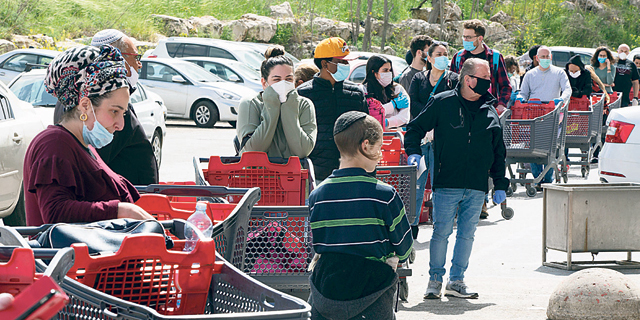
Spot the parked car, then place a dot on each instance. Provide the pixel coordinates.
(149, 107)
(230, 70)
(191, 92)
(561, 55)
(262, 47)
(619, 160)
(358, 66)
(19, 124)
(635, 52)
(180, 47)
(14, 62)
(397, 64)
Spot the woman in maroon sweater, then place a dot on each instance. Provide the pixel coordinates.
(64, 178)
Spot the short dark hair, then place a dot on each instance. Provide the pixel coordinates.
(476, 25)
(274, 56)
(511, 61)
(420, 42)
(436, 44)
(305, 72)
(533, 51)
(318, 61)
(349, 141)
(636, 57)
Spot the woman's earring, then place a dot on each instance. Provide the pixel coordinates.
(83, 117)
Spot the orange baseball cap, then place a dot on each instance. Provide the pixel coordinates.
(334, 47)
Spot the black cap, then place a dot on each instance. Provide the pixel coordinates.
(533, 51)
(346, 120)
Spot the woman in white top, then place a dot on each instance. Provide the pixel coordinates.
(378, 84)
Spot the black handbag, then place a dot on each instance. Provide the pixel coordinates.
(101, 236)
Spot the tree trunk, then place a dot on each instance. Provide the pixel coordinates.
(357, 33)
(442, 19)
(366, 41)
(435, 11)
(385, 25)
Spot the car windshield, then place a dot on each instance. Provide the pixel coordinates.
(196, 72)
(30, 88)
(246, 71)
(252, 59)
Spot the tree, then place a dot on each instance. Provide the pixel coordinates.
(385, 26)
(366, 41)
(355, 22)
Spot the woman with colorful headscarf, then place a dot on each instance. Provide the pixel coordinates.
(65, 180)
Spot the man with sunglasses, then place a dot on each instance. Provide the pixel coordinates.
(130, 153)
(468, 149)
(474, 47)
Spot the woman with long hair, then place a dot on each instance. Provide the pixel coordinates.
(385, 95)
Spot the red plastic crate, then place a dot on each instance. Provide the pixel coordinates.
(143, 271)
(181, 183)
(19, 278)
(531, 110)
(280, 184)
(579, 104)
(392, 152)
(162, 208)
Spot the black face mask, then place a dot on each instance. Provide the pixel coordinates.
(482, 85)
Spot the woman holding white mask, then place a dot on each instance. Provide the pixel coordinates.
(277, 121)
(378, 84)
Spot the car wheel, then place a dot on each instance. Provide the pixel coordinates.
(205, 114)
(233, 123)
(156, 144)
(17, 217)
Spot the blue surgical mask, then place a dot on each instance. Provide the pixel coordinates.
(545, 63)
(99, 136)
(342, 72)
(602, 60)
(509, 74)
(468, 45)
(441, 63)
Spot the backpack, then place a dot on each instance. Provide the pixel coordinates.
(496, 61)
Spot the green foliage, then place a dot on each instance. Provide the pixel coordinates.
(284, 34)
(226, 33)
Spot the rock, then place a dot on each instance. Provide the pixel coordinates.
(282, 11)
(143, 46)
(23, 42)
(488, 7)
(6, 46)
(496, 31)
(387, 50)
(67, 44)
(569, 5)
(252, 27)
(422, 13)
(595, 293)
(500, 17)
(324, 27)
(452, 12)
(590, 5)
(45, 41)
(207, 26)
(173, 26)
(156, 37)
(407, 29)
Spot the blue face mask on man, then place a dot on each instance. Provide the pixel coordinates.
(342, 72)
(545, 63)
(468, 45)
(99, 136)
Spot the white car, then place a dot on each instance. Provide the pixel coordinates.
(619, 160)
(19, 124)
(14, 62)
(230, 70)
(561, 55)
(191, 92)
(149, 107)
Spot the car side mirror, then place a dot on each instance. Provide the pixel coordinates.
(234, 78)
(178, 78)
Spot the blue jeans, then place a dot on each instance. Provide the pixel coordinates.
(536, 169)
(427, 153)
(467, 204)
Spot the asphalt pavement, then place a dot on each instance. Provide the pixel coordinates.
(506, 262)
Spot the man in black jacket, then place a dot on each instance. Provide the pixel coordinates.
(130, 153)
(469, 149)
(332, 96)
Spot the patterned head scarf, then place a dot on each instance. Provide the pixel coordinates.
(85, 72)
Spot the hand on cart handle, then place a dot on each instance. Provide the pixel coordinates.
(6, 300)
(132, 211)
(499, 196)
(414, 159)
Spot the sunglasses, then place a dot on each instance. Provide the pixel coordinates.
(137, 55)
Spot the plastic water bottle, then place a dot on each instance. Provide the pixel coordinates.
(199, 219)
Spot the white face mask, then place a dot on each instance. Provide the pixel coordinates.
(282, 88)
(385, 78)
(133, 79)
(574, 74)
(622, 56)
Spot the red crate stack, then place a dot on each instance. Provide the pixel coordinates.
(579, 104)
(392, 152)
(531, 110)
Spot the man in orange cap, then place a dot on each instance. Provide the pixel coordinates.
(332, 95)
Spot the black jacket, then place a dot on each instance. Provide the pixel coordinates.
(582, 85)
(130, 153)
(421, 88)
(330, 102)
(468, 149)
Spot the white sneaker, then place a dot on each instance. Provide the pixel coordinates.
(459, 289)
(434, 290)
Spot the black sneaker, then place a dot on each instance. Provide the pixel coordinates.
(484, 215)
(538, 188)
(594, 160)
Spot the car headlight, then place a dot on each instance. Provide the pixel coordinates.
(228, 95)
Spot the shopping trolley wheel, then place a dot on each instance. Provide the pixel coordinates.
(507, 213)
(403, 290)
(531, 191)
(412, 255)
(509, 191)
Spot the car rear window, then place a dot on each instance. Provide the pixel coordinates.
(172, 49)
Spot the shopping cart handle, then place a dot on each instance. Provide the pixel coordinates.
(32, 231)
(7, 251)
(190, 191)
(60, 264)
